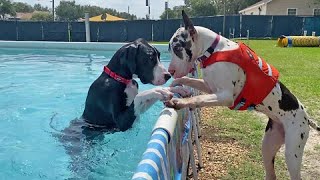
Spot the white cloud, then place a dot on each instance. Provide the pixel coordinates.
(137, 7)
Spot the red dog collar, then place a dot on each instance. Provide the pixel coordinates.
(116, 76)
(208, 52)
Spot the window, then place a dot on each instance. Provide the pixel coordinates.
(292, 11)
(316, 12)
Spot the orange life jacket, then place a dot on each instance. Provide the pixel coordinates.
(260, 76)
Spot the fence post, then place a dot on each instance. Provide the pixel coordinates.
(69, 32)
(303, 24)
(248, 36)
(17, 31)
(271, 27)
(42, 34)
(196, 137)
(191, 151)
(87, 24)
(305, 33)
(240, 25)
(152, 31)
(98, 33)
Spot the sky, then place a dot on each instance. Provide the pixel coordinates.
(137, 7)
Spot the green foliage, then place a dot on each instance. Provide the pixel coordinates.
(196, 8)
(187, 3)
(68, 11)
(38, 7)
(125, 15)
(6, 7)
(22, 7)
(203, 8)
(41, 16)
(92, 10)
(170, 13)
(174, 13)
(233, 6)
(193, 8)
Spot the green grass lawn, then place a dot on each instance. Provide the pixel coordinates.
(300, 72)
(164, 42)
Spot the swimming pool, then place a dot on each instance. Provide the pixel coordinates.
(40, 86)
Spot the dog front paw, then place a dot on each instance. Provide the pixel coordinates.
(182, 91)
(176, 103)
(164, 94)
(178, 81)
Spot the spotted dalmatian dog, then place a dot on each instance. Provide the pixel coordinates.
(223, 81)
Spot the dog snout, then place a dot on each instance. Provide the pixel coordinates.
(167, 76)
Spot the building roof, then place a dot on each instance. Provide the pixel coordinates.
(260, 3)
(24, 16)
(109, 17)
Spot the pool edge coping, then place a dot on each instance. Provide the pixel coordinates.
(96, 46)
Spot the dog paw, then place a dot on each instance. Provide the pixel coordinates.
(176, 103)
(182, 91)
(164, 94)
(178, 81)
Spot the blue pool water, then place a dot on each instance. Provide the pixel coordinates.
(38, 86)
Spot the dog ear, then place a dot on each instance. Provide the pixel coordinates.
(129, 57)
(188, 25)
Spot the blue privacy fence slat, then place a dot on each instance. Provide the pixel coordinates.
(312, 24)
(287, 25)
(94, 31)
(214, 23)
(77, 32)
(259, 26)
(55, 31)
(8, 30)
(139, 29)
(109, 32)
(233, 22)
(157, 30)
(170, 27)
(29, 31)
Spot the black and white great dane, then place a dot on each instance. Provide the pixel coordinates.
(113, 101)
(223, 81)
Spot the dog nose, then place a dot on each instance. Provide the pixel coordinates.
(167, 77)
(172, 72)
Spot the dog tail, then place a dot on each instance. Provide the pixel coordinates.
(313, 124)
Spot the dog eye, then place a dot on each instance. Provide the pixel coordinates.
(175, 39)
(178, 47)
(184, 35)
(183, 44)
(153, 61)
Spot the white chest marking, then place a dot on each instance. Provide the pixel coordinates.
(131, 92)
